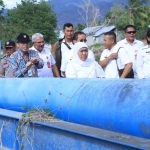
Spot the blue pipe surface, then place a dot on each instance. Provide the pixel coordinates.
(120, 105)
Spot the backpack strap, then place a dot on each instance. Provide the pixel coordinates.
(116, 58)
(67, 45)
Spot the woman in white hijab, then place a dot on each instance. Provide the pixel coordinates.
(81, 66)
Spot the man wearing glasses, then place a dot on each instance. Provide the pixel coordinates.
(49, 67)
(78, 36)
(10, 47)
(131, 45)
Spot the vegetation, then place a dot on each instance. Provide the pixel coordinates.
(135, 13)
(30, 17)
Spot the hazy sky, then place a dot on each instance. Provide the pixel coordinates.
(11, 3)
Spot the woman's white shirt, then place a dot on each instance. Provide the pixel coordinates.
(75, 70)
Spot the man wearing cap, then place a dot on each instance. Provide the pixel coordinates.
(25, 62)
(49, 67)
(10, 48)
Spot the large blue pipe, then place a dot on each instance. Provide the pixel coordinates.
(121, 105)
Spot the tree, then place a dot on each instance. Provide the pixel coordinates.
(31, 17)
(79, 27)
(136, 11)
(2, 6)
(117, 16)
(89, 13)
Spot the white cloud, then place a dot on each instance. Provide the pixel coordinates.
(11, 4)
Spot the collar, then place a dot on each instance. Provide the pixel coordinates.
(126, 42)
(33, 48)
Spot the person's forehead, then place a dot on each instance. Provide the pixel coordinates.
(130, 29)
(81, 36)
(69, 28)
(107, 37)
(39, 38)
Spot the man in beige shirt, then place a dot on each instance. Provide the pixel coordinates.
(10, 47)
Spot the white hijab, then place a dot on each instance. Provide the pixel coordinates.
(76, 59)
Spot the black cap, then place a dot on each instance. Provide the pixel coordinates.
(22, 37)
(10, 43)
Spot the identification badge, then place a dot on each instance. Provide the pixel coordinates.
(48, 64)
(29, 73)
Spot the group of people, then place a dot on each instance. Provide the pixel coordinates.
(128, 58)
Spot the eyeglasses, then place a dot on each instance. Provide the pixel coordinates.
(131, 32)
(40, 42)
(83, 40)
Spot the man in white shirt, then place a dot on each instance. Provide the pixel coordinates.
(131, 45)
(49, 67)
(143, 60)
(114, 59)
(67, 43)
(78, 36)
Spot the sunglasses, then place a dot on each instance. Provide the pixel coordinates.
(131, 32)
(83, 40)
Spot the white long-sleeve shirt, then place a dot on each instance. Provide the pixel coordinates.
(143, 62)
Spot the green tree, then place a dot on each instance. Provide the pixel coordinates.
(30, 17)
(79, 27)
(136, 11)
(117, 16)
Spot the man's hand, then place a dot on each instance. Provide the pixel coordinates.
(34, 60)
(113, 56)
(29, 64)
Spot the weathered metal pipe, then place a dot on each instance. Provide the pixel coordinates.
(112, 104)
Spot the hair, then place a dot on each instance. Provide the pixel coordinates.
(67, 25)
(75, 35)
(112, 35)
(34, 36)
(129, 26)
(148, 35)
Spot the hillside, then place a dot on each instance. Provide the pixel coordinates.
(67, 11)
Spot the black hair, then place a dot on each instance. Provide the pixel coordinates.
(129, 26)
(75, 35)
(112, 35)
(67, 25)
(148, 35)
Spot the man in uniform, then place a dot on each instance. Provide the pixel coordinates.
(114, 58)
(49, 67)
(25, 62)
(10, 48)
(131, 45)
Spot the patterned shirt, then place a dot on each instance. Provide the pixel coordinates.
(18, 64)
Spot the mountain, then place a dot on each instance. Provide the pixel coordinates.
(67, 11)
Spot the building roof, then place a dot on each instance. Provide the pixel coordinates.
(89, 30)
(104, 30)
(98, 30)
